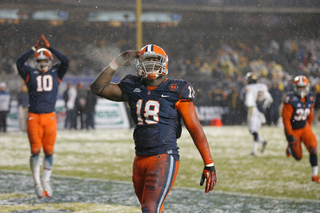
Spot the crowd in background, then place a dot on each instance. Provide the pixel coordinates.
(191, 54)
(194, 55)
(80, 105)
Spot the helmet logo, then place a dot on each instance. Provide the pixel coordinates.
(149, 48)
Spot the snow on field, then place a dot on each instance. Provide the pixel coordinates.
(270, 182)
(92, 195)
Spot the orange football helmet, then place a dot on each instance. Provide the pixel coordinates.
(43, 59)
(152, 62)
(301, 86)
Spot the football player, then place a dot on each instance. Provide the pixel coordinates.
(42, 81)
(297, 115)
(157, 105)
(257, 99)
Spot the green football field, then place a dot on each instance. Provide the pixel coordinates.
(92, 173)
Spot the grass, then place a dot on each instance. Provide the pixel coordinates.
(108, 154)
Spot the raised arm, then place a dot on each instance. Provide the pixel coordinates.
(22, 68)
(102, 85)
(64, 65)
(64, 61)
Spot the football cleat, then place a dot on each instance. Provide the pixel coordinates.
(39, 191)
(316, 179)
(47, 189)
(253, 154)
(264, 144)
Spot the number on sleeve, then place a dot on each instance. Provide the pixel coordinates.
(191, 92)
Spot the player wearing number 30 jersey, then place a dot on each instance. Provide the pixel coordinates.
(42, 82)
(157, 106)
(297, 115)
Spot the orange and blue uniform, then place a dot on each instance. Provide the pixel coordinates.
(156, 113)
(42, 89)
(297, 114)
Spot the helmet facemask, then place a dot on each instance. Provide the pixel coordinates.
(152, 67)
(301, 86)
(152, 63)
(43, 59)
(43, 64)
(301, 91)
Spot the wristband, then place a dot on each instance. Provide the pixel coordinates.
(114, 65)
(33, 48)
(209, 165)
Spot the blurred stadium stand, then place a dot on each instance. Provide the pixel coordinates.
(207, 40)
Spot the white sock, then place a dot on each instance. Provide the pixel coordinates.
(255, 147)
(314, 170)
(35, 168)
(260, 138)
(47, 168)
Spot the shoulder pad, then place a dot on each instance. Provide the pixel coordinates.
(180, 83)
(287, 98)
(182, 87)
(130, 78)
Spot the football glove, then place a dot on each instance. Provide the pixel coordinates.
(291, 138)
(209, 173)
(292, 141)
(45, 41)
(124, 59)
(38, 45)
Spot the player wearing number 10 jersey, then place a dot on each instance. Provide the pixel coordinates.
(42, 82)
(297, 116)
(157, 106)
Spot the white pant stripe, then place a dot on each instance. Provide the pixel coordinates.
(168, 184)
